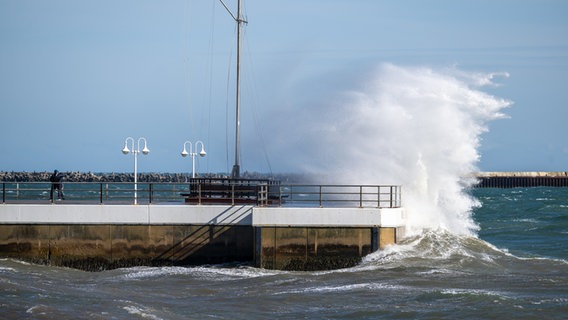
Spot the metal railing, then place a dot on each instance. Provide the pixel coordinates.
(378, 196)
(198, 192)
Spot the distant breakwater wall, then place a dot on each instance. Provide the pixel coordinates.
(92, 177)
(486, 179)
(76, 176)
(521, 179)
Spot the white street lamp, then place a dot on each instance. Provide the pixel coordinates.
(135, 152)
(184, 153)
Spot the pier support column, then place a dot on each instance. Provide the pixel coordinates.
(258, 247)
(387, 236)
(374, 239)
(312, 248)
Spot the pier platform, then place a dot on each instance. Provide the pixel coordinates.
(317, 228)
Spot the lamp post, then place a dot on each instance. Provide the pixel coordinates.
(184, 153)
(135, 152)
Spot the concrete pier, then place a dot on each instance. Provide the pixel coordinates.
(97, 237)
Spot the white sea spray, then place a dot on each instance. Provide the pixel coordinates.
(417, 127)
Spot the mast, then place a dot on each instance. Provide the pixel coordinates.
(235, 172)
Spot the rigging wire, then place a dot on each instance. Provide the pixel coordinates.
(189, 89)
(254, 97)
(227, 112)
(187, 67)
(210, 65)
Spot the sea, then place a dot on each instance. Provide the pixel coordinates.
(515, 266)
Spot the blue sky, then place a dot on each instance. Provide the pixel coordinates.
(78, 77)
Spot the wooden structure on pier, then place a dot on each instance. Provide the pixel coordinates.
(232, 191)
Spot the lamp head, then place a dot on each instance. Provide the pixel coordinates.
(145, 151)
(202, 153)
(184, 152)
(125, 150)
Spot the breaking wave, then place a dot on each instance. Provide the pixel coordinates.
(412, 126)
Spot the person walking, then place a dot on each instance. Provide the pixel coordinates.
(56, 184)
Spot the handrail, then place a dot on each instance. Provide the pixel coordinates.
(261, 194)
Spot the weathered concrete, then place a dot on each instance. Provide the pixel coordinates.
(317, 248)
(99, 247)
(97, 237)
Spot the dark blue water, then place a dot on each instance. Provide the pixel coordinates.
(525, 221)
(517, 267)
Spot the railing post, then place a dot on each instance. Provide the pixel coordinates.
(151, 192)
(399, 194)
(320, 196)
(51, 192)
(391, 196)
(3, 192)
(378, 196)
(199, 193)
(100, 193)
(360, 196)
(279, 196)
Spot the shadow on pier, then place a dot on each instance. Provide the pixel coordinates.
(221, 240)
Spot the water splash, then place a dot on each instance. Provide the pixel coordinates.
(417, 127)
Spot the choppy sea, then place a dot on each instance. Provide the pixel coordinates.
(515, 268)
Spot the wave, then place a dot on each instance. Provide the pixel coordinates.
(441, 251)
(418, 127)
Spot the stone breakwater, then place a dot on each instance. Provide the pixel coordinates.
(93, 177)
(77, 176)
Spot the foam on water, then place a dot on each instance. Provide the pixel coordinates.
(142, 312)
(212, 273)
(440, 252)
(366, 286)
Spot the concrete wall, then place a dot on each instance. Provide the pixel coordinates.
(97, 237)
(124, 214)
(199, 215)
(313, 248)
(328, 217)
(99, 247)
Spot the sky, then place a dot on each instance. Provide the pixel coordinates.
(79, 77)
